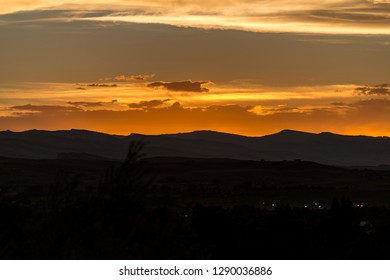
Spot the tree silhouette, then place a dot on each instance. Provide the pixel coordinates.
(127, 181)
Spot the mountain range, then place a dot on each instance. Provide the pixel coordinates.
(325, 148)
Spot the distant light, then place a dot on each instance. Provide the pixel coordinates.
(272, 205)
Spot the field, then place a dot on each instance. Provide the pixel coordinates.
(218, 182)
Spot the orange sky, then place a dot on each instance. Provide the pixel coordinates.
(171, 66)
(126, 108)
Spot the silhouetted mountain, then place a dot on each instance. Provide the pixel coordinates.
(38, 144)
(326, 148)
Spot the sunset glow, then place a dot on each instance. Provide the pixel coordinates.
(245, 67)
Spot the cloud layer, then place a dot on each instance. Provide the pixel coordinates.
(247, 110)
(369, 117)
(302, 16)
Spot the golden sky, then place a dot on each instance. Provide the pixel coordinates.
(246, 67)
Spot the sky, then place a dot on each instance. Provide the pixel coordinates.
(246, 67)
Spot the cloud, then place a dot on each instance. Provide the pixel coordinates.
(102, 85)
(302, 16)
(132, 78)
(86, 104)
(148, 104)
(181, 86)
(382, 89)
(369, 117)
(45, 108)
(267, 110)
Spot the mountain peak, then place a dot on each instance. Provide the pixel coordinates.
(290, 132)
(205, 132)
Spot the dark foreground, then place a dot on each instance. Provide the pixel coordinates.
(191, 209)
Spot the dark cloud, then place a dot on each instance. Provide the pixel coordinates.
(148, 104)
(86, 104)
(382, 89)
(176, 105)
(102, 85)
(181, 86)
(45, 108)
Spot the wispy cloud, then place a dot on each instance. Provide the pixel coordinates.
(129, 78)
(45, 108)
(382, 89)
(86, 104)
(302, 16)
(102, 85)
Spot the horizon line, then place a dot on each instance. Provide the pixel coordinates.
(196, 131)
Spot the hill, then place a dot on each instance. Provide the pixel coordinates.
(325, 148)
